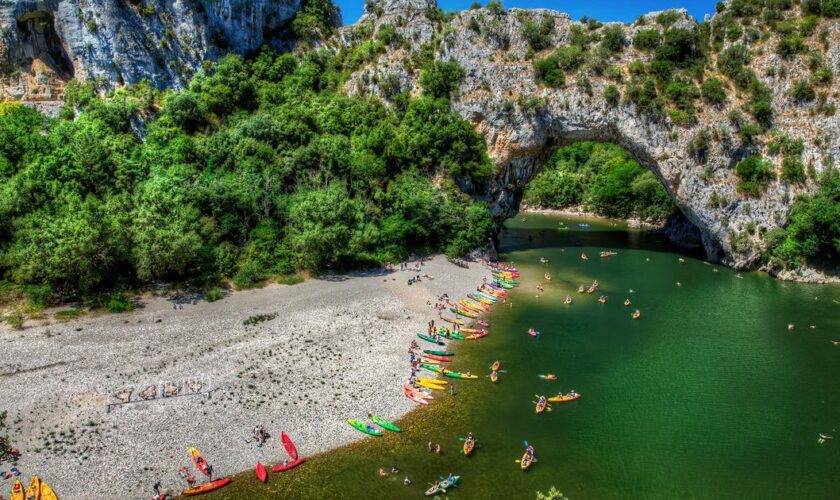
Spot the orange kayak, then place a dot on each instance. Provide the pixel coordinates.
(200, 462)
(496, 366)
(564, 399)
(207, 487)
(469, 446)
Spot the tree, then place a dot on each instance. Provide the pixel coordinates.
(441, 78)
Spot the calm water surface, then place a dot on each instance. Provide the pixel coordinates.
(708, 395)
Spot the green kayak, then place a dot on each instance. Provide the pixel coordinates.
(367, 429)
(381, 422)
(428, 339)
(433, 368)
(459, 375)
(439, 353)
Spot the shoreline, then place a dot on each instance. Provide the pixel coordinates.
(289, 372)
(579, 211)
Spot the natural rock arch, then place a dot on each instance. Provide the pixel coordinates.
(523, 121)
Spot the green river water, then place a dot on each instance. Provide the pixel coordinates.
(708, 395)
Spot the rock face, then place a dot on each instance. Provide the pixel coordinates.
(523, 121)
(45, 43)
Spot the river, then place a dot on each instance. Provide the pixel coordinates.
(708, 395)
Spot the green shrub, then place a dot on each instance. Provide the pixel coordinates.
(441, 78)
(612, 95)
(790, 45)
(699, 145)
(569, 58)
(760, 103)
(754, 174)
(667, 18)
(613, 39)
(792, 169)
(647, 39)
(803, 91)
(538, 33)
(495, 7)
(119, 302)
(713, 91)
(213, 294)
(823, 75)
(733, 62)
(548, 72)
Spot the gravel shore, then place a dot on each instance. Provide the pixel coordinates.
(326, 350)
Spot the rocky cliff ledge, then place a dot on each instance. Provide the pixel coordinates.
(45, 43)
(523, 120)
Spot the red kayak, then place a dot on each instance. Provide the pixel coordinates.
(289, 445)
(204, 488)
(290, 465)
(262, 474)
(442, 359)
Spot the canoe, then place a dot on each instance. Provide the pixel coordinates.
(496, 366)
(563, 398)
(47, 493)
(206, 487)
(465, 314)
(429, 339)
(17, 491)
(385, 424)
(34, 490)
(204, 467)
(262, 474)
(494, 377)
(443, 486)
(433, 381)
(541, 404)
(289, 465)
(469, 446)
(442, 359)
(431, 368)
(527, 460)
(290, 447)
(412, 396)
(459, 375)
(361, 427)
(439, 353)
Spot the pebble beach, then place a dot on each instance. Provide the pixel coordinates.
(300, 359)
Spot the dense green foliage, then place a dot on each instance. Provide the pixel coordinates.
(257, 168)
(602, 177)
(754, 174)
(538, 32)
(813, 232)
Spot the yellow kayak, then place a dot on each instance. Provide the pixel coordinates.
(469, 305)
(433, 380)
(429, 385)
(34, 490)
(17, 491)
(47, 493)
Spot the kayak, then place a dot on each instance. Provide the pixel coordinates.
(38, 490)
(412, 396)
(439, 353)
(527, 460)
(262, 474)
(367, 429)
(429, 385)
(17, 491)
(463, 313)
(477, 336)
(431, 368)
(47, 493)
(429, 361)
(472, 330)
(469, 446)
(204, 488)
(420, 393)
(202, 464)
(563, 398)
(433, 381)
(454, 321)
(429, 339)
(442, 359)
(494, 377)
(484, 299)
(541, 404)
(290, 447)
(483, 323)
(442, 486)
(459, 375)
(289, 465)
(472, 306)
(496, 366)
(34, 490)
(385, 424)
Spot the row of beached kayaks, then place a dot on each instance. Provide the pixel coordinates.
(38, 490)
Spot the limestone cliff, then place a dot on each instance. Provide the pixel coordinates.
(523, 120)
(45, 43)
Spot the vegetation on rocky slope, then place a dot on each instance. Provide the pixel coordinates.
(258, 168)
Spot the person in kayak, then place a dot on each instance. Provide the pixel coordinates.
(437, 449)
